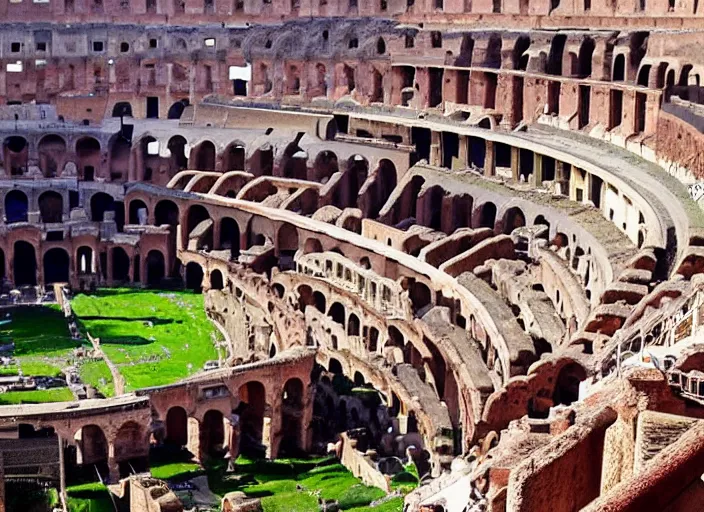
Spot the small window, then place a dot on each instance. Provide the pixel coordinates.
(326, 35)
(153, 43)
(124, 47)
(410, 41)
(383, 5)
(354, 43)
(41, 47)
(436, 39)
(97, 46)
(15, 47)
(267, 44)
(210, 42)
(40, 63)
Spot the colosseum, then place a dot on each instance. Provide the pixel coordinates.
(364, 255)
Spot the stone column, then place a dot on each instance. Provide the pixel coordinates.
(193, 437)
(515, 163)
(489, 162)
(113, 466)
(537, 170)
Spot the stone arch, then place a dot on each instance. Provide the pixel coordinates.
(353, 325)
(120, 151)
(513, 218)
(293, 401)
(100, 203)
(586, 54)
(177, 108)
(52, 155)
(337, 313)
(325, 166)
(216, 280)
(135, 216)
(177, 148)
(194, 277)
(212, 433)
(24, 264)
(294, 163)
(92, 445)
(197, 213)
(644, 75)
(420, 295)
(16, 206)
(130, 441)
(15, 155)
(203, 156)
(122, 108)
(487, 215)
(51, 207)
(557, 47)
(619, 74)
(287, 241)
(520, 55)
(567, 383)
(156, 267)
(84, 257)
(312, 245)
(251, 410)
(355, 176)
(319, 301)
(56, 266)
(88, 158)
(234, 157)
(166, 212)
(230, 236)
(121, 265)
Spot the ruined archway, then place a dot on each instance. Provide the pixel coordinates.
(230, 236)
(194, 277)
(100, 203)
(177, 426)
(251, 411)
(16, 207)
(514, 218)
(52, 155)
(156, 268)
(24, 264)
(15, 155)
(166, 212)
(120, 265)
(293, 402)
(51, 207)
(56, 266)
(88, 153)
(139, 212)
(203, 156)
(234, 157)
(92, 445)
(212, 433)
(177, 148)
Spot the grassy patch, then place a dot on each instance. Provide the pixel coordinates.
(89, 498)
(153, 337)
(292, 485)
(176, 471)
(97, 374)
(37, 396)
(38, 331)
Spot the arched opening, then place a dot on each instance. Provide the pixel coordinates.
(16, 207)
(619, 68)
(56, 266)
(156, 268)
(24, 264)
(230, 236)
(85, 260)
(166, 212)
(567, 384)
(293, 400)
(131, 444)
(51, 207)
(176, 110)
(194, 277)
(177, 148)
(319, 301)
(337, 313)
(52, 155)
(355, 176)
(15, 155)
(520, 55)
(120, 265)
(513, 219)
(212, 434)
(557, 47)
(100, 202)
(487, 215)
(196, 214)
(138, 212)
(295, 162)
(92, 445)
(251, 411)
(122, 108)
(353, 325)
(586, 52)
(380, 46)
(216, 280)
(419, 295)
(204, 156)
(644, 75)
(325, 166)
(88, 152)
(177, 426)
(287, 243)
(234, 157)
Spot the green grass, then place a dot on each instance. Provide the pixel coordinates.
(39, 368)
(275, 482)
(89, 498)
(36, 396)
(176, 471)
(98, 375)
(154, 338)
